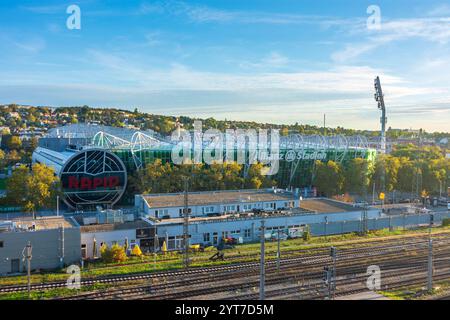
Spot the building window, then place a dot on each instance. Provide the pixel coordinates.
(207, 209)
(247, 233)
(1, 244)
(83, 251)
(156, 214)
(206, 237)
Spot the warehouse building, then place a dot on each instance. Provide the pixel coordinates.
(55, 243)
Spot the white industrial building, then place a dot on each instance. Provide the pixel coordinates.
(213, 203)
(112, 227)
(238, 214)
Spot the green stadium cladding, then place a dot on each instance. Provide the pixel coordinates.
(296, 153)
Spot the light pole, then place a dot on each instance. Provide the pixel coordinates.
(333, 253)
(430, 257)
(278, 251)
(262, 273)
(27, 254)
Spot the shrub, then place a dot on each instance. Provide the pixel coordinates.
(136, 251)
(307, 235)
(114, 254)
(118, 253)
(446, 222)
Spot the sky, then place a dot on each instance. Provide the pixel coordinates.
(280, 61)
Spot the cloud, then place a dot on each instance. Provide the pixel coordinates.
(441, 10)
(435, 30)
(50, 9)
(33, 45)
(208, 14)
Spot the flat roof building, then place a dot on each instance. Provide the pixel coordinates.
(213, 203)
(238, 214)
(99, 230)
(55, 243)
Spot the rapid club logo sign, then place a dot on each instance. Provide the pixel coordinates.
(93, 177)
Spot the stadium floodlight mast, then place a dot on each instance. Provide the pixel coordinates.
(380, 99)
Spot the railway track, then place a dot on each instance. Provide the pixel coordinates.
(289, 273)
(306, 258)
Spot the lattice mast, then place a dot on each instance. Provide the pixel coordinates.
(380, 99)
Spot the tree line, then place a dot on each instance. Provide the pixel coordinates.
(159, 177)
(419, 170)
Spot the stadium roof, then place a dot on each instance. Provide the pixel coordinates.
(114, 137)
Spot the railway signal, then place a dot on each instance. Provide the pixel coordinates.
(333, 252)
(326, 275)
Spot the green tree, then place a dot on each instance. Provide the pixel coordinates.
(33, 190)
(13, 143)
(328, 177)
(356, 176)
(406, 175)
(2, 159)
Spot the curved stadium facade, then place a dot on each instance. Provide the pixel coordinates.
(93, 161)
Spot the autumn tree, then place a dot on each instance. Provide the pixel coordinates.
(328, 177)
(357, 176)
(114, 254)
(33, 190)
(2, 159)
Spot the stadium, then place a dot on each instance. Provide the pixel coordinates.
(93, 161)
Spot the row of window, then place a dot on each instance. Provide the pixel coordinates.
(282, 227)
(227, 208)
(207, 209)
(161, 213)
(226, 234)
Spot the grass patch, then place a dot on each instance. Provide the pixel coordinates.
(52, 293)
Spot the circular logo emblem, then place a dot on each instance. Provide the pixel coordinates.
(290, 155)
(93, 177)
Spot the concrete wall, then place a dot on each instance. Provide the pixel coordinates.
(46, 246)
